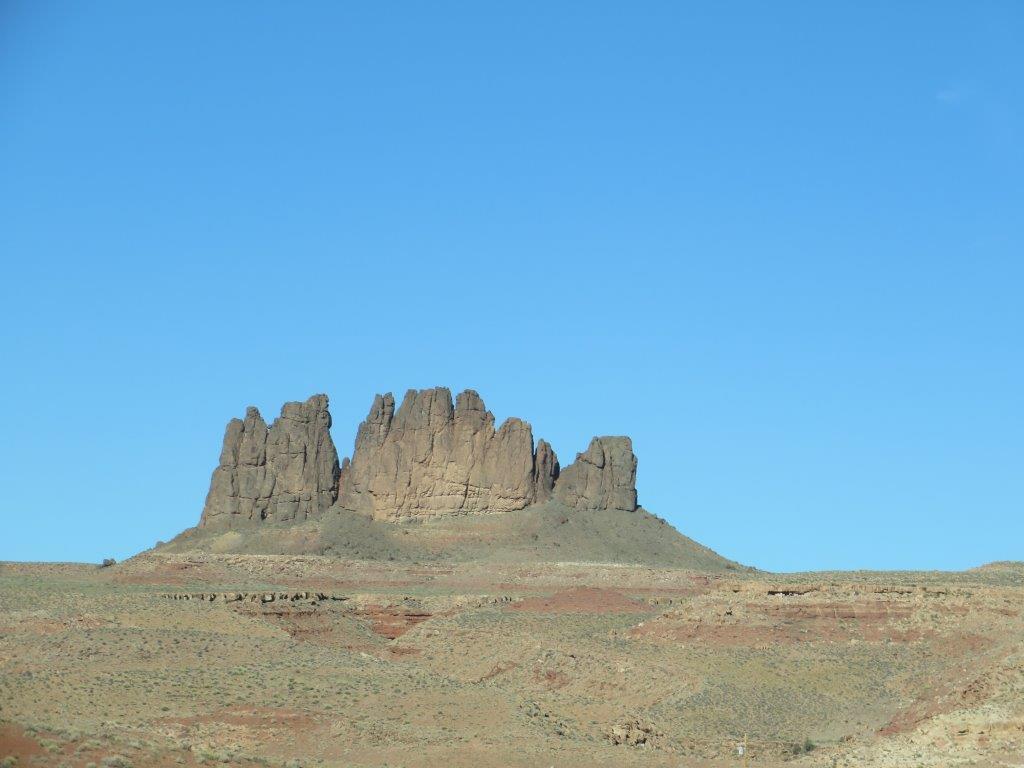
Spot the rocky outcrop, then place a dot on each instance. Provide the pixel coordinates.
(603, 477)
(431, 458)
(635, 732)
(428, 458)
(287, 472)
(545, 471)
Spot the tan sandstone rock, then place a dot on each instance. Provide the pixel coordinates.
(602, 477)
(428, 458)
(286, 472)
(431, 458)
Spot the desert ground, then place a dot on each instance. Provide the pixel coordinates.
(201, 658)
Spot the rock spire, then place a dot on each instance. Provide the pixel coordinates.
(432, 457)
(286, 472)
(602, 477)
(428, 458)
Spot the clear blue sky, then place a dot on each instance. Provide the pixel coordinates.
(779, 244)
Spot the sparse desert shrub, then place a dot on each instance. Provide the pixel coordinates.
(9, 762)
(107, 562)
(116, 761)
(798, 748)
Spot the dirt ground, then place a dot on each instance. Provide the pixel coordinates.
(190, 659)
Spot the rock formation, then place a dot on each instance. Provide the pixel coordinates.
(431, 458)
(287, 472)
(603, 477)
(428, 458)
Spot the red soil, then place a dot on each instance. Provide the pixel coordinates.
(582, 600)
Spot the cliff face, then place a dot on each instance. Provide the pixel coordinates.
(287, 472)
(429, 458)
(603, 477)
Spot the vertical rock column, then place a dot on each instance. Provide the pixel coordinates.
(602, 477)
(432, 458)
(287, 472)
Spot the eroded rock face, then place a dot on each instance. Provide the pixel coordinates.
(428, 458)
(432, 458)
(546, 470)
(603, 477)
(287, 472)
(634, 733)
